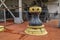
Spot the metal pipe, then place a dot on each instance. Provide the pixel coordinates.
(20, 11)
(4, 17)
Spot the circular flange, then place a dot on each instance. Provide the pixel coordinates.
(36, 31)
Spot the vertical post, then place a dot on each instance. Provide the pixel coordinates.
(4, 17)
(20, 11)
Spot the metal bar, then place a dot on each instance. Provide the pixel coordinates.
(1, 3)
(20, 11)
(7, 8)
(4, 17)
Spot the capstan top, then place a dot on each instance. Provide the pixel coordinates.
(35, 9)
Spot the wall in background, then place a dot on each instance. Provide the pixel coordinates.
(53, 6)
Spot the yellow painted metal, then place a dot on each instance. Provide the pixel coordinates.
(1, 28)
(35, 9)
(36, 31)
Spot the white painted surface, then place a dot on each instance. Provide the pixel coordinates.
(19, 19)
(20, 11)
(53, 7)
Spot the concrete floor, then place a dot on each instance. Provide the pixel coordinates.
(16, 32)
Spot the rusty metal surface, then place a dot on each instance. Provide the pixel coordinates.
(15, 32)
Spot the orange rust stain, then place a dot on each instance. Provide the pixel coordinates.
(16, 32)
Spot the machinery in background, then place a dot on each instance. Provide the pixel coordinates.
(10, 13)
(35, 26)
